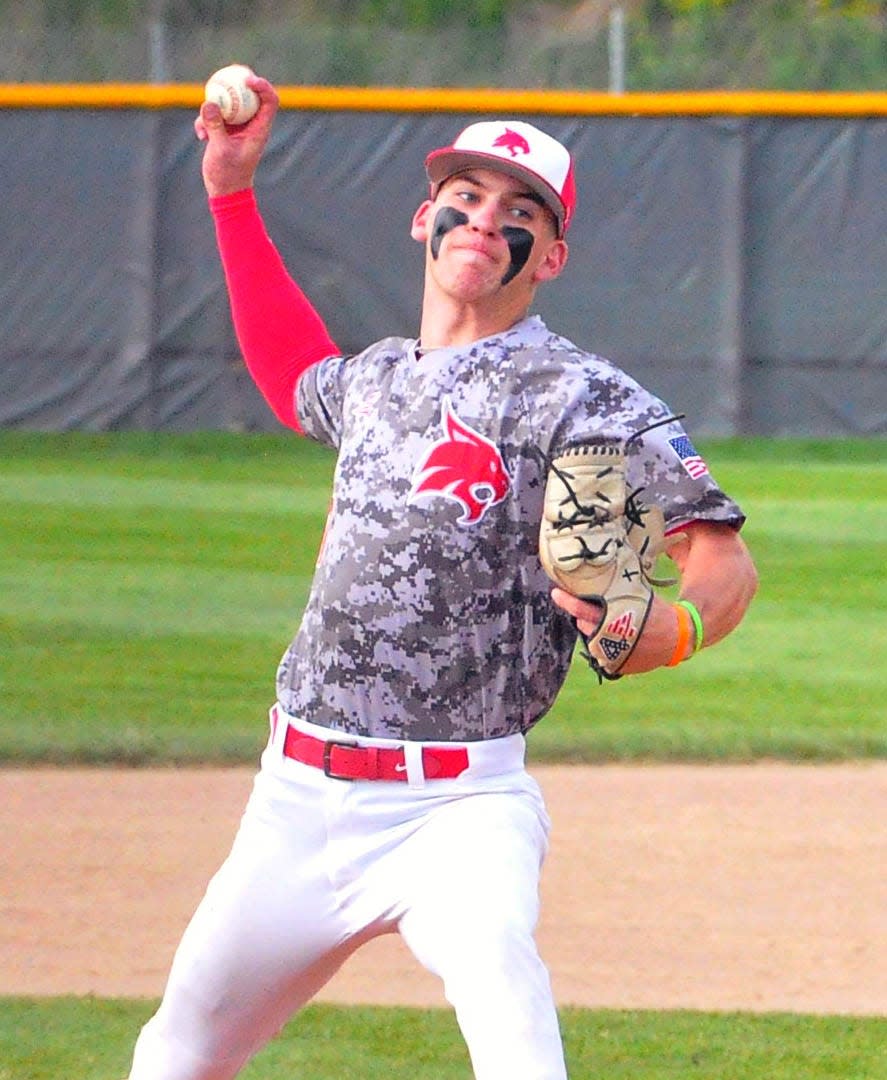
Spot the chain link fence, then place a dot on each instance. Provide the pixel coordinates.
(589, 45)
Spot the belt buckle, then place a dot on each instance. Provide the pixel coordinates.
(327, 751)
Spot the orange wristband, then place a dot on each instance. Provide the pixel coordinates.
(685, 628)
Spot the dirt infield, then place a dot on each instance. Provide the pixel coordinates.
(759, 888)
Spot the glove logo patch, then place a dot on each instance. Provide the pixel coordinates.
(464, 466)
(623, 627)
(613, 649)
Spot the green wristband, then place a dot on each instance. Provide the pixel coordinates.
(697, 622)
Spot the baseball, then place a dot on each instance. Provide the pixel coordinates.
(227, 88)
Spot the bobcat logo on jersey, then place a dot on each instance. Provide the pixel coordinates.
(464, 466)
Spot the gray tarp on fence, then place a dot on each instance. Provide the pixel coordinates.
(734, 265)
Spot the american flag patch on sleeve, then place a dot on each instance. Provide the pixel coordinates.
(689, 456)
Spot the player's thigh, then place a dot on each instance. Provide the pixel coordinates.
(265, 935)
(475, 877)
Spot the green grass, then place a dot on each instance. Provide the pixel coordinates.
(149, 584)
(44, 1039)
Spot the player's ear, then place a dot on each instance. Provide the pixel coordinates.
(419, 227)
(553, 263)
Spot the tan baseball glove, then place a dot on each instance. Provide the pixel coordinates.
(599, 543)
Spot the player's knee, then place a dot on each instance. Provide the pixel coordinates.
(493, 953)
(190, 1044)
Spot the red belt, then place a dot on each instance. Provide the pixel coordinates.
(343, 760)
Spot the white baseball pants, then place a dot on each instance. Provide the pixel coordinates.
(319, 866)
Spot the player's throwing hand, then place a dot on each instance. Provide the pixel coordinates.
(232, 154)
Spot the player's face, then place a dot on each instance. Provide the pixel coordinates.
(486, 231)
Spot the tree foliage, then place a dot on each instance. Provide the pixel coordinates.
(670, 44)
(423, 14)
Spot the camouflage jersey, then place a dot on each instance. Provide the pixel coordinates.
(430, 615)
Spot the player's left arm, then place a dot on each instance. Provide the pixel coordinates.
(718, 577)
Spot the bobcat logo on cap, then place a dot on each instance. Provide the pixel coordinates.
(512, 142)
(464, 466)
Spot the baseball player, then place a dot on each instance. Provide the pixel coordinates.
(499, 493)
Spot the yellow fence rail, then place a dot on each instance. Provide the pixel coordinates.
(424, 99)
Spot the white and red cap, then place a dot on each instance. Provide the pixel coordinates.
(519, 149)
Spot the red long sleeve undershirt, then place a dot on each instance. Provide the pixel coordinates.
(279, 332)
